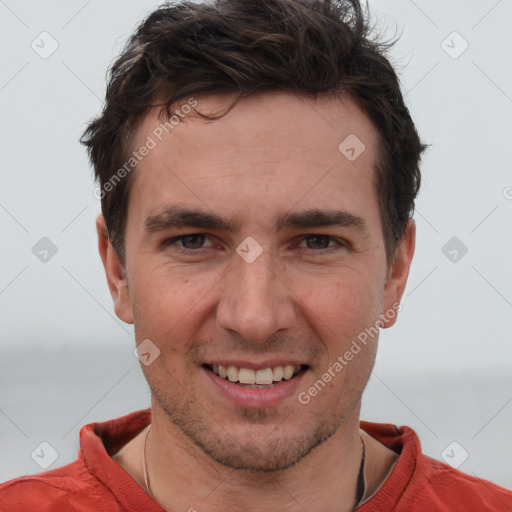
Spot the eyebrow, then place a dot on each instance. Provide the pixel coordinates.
(180, 217)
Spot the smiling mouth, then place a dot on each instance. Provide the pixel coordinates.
(260, 379)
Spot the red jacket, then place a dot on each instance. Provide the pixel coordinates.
(95, 482)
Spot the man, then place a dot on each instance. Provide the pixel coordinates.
(258, 170)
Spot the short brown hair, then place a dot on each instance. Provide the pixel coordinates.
(245, 46)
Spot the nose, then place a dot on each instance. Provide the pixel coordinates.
(255, 300)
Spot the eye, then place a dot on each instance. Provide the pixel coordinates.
(185, 243)
(195, 243)
(320, 242)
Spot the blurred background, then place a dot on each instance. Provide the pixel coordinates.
(444, 369)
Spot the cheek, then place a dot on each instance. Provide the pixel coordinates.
(343, 313)
(159, 301)
(170, 304)
(343, 303)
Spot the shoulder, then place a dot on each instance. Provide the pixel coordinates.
(438, 486)
(71, 488)
(419, 483)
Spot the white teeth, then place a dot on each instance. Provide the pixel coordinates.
(247, 376)
(288, 371)
(232, 373)
(277, 374)
(264, 376)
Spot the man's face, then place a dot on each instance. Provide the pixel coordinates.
(212, 298)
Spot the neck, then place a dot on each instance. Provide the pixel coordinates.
(326, 479)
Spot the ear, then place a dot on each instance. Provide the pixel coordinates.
(398, 273)
(116, 277)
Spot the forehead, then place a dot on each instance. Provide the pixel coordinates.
(292, 148)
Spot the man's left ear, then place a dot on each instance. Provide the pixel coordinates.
(397, 276)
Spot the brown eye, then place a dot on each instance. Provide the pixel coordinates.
(317, 241)
(192, 241)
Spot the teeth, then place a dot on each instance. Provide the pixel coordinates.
(288, 372)
(264, 376)
(232, 373)
(247, 376)
(278, 373)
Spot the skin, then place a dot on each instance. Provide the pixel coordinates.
(301, 299)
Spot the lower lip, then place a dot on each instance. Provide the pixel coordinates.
(256, 397)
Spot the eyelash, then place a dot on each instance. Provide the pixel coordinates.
(172, 242)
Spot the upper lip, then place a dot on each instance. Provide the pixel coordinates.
(255, 365)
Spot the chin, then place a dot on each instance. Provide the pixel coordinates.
(256, 446)
(264, 457)
(257, 440)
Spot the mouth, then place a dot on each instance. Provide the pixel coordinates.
(263, 378)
